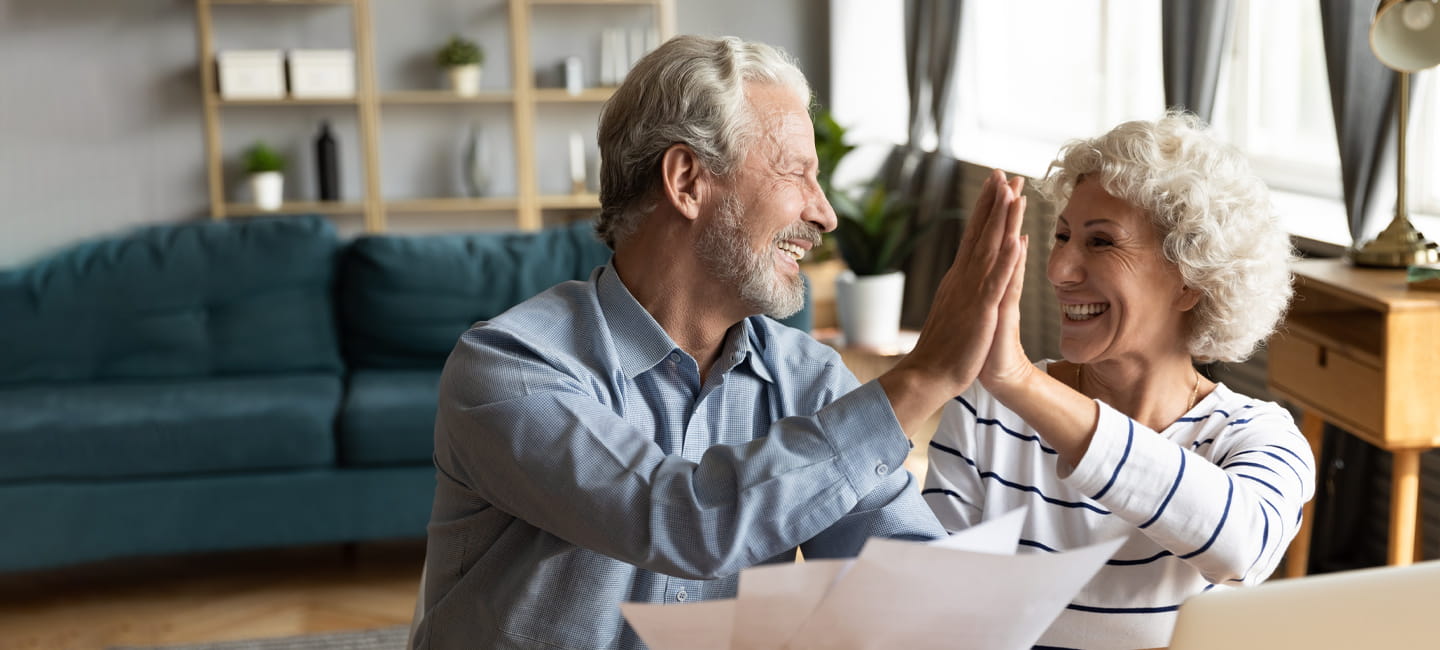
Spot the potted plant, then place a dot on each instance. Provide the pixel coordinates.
(461, 58)
(875, 236)
(267, 184)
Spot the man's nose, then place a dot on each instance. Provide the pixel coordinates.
(818, 211)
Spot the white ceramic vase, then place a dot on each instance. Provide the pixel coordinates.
(868, 308)
(268, 189)
(464, 79)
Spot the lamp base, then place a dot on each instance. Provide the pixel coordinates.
(1398, 246)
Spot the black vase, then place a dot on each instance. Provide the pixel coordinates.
(327, 164)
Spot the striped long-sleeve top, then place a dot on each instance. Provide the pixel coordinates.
(1211, 501)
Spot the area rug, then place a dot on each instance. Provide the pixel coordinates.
(390, 638)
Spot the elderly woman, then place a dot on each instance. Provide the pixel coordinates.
(1166, 252)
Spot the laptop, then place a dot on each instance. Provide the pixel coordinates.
(1371, 609)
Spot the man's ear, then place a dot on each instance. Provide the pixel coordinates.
(686, 182)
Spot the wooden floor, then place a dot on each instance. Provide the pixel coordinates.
(212, 597)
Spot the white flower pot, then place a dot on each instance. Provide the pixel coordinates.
(268, 189)
(868, 307)
(464, 79)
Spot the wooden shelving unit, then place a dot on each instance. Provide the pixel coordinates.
(524, 98)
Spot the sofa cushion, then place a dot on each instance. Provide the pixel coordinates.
(388, 417)
(126, 429)
(405, 300)
(189, 300)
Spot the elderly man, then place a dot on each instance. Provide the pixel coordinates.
(645, 435)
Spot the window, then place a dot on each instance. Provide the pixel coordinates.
(1036, 73)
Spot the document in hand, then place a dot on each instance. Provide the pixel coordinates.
(967, 591)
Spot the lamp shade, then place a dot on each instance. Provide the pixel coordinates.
(1406, 34)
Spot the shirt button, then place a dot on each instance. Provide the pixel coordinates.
(680, 595)
(882, 469)
(675, 357)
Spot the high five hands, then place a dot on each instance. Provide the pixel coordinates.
(973, 327)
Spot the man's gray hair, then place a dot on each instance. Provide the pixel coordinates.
(690, 91)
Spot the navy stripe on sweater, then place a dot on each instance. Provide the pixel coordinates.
(1173, 487)
(1229, 498)
(1017, 486)
(1129, 440)
(1012, 432)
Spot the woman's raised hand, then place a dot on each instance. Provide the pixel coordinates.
(961, 327)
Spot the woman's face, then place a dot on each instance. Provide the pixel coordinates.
(1119, 298)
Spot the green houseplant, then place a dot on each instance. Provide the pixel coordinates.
(267, 183)
(875, 234)
(461, 58)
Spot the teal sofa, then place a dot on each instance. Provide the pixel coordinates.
(240, 384)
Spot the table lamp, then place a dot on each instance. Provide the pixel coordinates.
(1405, 36)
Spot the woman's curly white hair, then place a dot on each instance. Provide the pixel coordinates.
(1212, 213)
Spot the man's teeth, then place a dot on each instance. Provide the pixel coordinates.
(1084, 312)
(794, 251)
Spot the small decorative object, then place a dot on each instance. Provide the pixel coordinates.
(251, 74)
(267, 184)
(476, 163)
(577, 163)
(614, 61)
(462, 59)
(574, 76)
(322, 74)
(327, 164)
(637, 47)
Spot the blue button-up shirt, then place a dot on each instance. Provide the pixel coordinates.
(582, 462)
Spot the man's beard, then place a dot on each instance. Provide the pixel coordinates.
(724, 249)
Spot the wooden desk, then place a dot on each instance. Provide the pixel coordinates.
(1360, 350)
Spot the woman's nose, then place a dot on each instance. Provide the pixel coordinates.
(1064, 266)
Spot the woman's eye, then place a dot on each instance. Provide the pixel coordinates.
(1062, 237)
(1100, 241)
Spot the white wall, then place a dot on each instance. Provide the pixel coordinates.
(101, 126)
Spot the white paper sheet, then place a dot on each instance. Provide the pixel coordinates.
(776, 599)
(901, 595)
(967, 591)
(696, 626)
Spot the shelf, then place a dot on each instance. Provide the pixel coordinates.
(522, 100)
(570, 202)
(289, 101)
(282, 2)
(295, 207)
(545, 95)
(445, 97)
(646, 3)
(483, 204)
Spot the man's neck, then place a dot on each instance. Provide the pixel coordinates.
(673, 285)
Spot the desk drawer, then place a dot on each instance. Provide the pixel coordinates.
(1345, 390)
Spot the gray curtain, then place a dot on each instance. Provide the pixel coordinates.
(927, 178)
(1194, 35)
(1362, 98)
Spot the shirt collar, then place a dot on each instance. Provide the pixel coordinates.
(640, 342)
